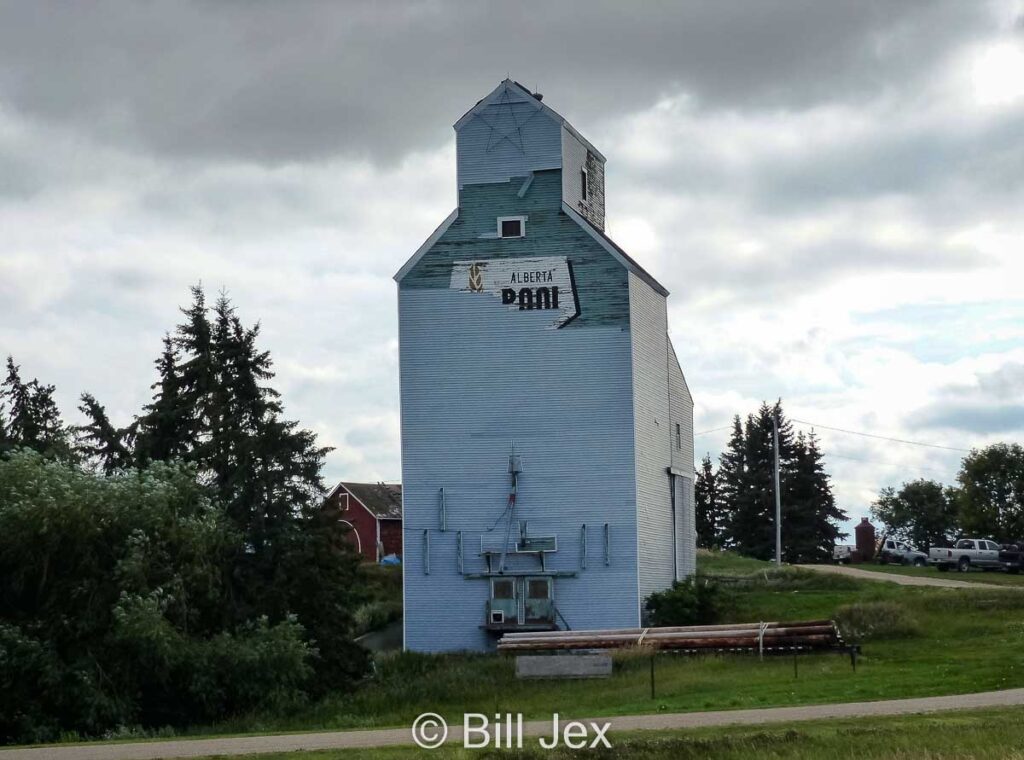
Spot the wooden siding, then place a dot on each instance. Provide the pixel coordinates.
(585, 402)
(473, 380)
(360, 524)
(652, 425)
(475, 377)
(390, 536)
(575, 157)
(507, 135)
(681, 409)
(600, 279)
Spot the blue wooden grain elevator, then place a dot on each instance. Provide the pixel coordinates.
(547, 429)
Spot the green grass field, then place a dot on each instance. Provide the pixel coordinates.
(728, 563)
(978, 735)
(951, 641)
(966, 641)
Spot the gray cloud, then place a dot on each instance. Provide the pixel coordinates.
(973, 418)
(992, 404)
(276, 82)
(296, 153)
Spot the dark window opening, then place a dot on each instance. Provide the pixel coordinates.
(679, 437)
(537, 589)
(511, 228)
(583, 183)
(504, 589)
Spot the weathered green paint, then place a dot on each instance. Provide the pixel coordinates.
(601, 281)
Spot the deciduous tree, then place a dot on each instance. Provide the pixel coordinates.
(991, 494)
(922, 512)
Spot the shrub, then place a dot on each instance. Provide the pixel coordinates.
(116, 607)
(865, 621)
(373, 615)
(695, 601)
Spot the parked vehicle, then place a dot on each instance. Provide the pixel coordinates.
(900, 553)
(842, 554)
(967, 553)
(1011, 557)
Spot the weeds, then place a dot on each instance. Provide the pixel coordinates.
(867, 621)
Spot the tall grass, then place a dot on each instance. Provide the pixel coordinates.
(870, 621)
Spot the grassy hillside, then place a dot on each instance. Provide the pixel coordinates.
(916, 642)
(719, 563)
(949, 641)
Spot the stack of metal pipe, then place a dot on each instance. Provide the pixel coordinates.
(758, 637)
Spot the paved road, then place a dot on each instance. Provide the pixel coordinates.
(903, 580)
(399, 736)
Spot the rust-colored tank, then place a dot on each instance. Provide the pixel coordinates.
(865, 538)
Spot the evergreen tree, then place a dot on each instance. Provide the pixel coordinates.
(100, 442)
(730, 481)
(752, 528)
(810, 516)
(746, 491)
(198, 376)
(707, 506)
(33, 419)
(213, 408)
(6, 443)
(166, 429)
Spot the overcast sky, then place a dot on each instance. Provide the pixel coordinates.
(832, 191)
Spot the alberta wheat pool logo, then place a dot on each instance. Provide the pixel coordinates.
(543, 283)
(476, 278)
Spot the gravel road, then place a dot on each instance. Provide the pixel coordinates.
(254, 745)
(903, 580)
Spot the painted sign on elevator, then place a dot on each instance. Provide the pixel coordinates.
(532, 284)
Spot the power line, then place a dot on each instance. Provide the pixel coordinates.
(713, 430)
(888, 464)
(879, 437)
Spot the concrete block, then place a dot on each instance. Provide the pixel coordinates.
(564, 666)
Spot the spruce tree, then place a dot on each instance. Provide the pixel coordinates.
(33, 419)
(706, 504)
(746, 491)
(101, 443)
(828, 515)
(166, 429)
(197, 377)
(213, 408)
(810, 514)
(731, 481)
(754, 515)
(6, 443)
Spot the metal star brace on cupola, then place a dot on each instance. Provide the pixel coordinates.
(504, 123)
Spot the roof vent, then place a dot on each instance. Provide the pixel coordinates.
(538, 96)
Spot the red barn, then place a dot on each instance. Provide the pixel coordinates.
(373, 511)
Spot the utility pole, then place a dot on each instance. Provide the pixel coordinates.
(778, 495)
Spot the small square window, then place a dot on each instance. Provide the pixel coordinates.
(511, 227)
(503, 589)
(538, 589)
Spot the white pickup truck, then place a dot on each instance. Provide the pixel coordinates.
(967, 553)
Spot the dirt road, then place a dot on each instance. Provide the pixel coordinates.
(903, 580)
(252, 745)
